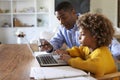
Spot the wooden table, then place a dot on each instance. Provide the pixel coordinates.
(16, 61)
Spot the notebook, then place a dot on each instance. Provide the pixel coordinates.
(56, 73)
(48, 59)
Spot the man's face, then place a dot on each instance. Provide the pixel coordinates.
(66, 18)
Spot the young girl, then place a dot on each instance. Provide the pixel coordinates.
(94, 56)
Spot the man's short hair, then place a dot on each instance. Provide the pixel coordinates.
(64, 6)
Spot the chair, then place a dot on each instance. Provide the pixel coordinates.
(110, 76)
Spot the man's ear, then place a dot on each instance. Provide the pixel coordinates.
(73, 11)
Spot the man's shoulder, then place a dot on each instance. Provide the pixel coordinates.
(114, 40)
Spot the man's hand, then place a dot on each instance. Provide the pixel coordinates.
(45, 45)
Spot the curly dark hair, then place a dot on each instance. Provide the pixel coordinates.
(99, 26)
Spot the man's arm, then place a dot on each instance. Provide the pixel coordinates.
(58, 39)
(115, 48)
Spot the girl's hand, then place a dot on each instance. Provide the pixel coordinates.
(60, 52)
(65, 57)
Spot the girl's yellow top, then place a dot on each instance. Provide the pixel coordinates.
(98, 62)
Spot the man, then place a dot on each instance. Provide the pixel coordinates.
(115, 49)
(68, 31)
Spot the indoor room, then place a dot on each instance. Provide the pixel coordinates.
(28, 26)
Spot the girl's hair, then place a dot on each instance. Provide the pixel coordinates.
(99, 26)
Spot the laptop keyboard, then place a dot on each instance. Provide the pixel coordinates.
(46, 59)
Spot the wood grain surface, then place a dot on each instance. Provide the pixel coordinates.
(16, 61)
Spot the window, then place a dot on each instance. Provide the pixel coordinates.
(81, 6)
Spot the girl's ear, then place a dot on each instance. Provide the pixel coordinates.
(94, 37)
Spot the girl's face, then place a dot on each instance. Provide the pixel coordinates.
(86, 39)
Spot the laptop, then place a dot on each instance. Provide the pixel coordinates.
(49, 59)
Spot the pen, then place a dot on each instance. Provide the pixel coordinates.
(43, 45)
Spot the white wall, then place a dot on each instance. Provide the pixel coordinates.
(107, 7)
(8, 35)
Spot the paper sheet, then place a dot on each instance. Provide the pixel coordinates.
(56, 72)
